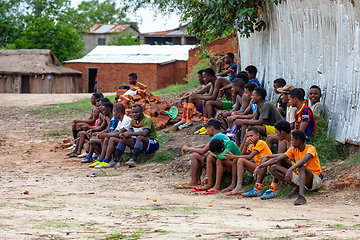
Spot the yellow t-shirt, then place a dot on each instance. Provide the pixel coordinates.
(262, 148)
(313, 164)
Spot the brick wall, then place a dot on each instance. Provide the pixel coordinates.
(219, 46)
(112, 75)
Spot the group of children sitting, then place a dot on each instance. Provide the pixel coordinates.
(289, 123)
(109, 131)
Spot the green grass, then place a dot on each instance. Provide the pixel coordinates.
(164, 137)
(123, 236)
(193, 83)
(354, 158)
(163, 156)
(108, 175)
(326, 146)
(58, 132)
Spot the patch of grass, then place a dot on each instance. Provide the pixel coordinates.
(108, 175)
(57, 132)
(163, 156)
(164, 137)
(193, 83)
(354, 158)
(123, 236)
(56, 225)
(326, 146)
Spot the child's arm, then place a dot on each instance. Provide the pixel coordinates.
(270, 160)
(202, 149)
(299, 163)
(303, 126)
(204, 89)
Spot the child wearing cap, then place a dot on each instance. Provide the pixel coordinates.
(315, 104)
(200, 157)
(219, 148)
(255, 152)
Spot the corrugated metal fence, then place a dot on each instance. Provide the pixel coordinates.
(313, 42)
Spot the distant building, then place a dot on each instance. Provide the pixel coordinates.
(36, 71)
(175, 36)
(156, 66)
(100, 34)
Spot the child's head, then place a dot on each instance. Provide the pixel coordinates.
(249, 88)
(212, 126)
(229, 57)
(216, 146)
(297, 138)
(136, 111)
(295, 96)
(244, 76)
(282, 128)
(237, 86)
(251, 71)
(212, 61)
(278, 83)
(200, 76)
(95, 97)
(285, 92)
(315, 94)
(118, 110)
(107, 108)
(253, 134)
(258, 95)
(132, 78)
(208, 74)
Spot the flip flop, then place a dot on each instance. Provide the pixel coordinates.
(211, 191)
(232, 193)
(197, 189)
(179, 186)
(227, 189)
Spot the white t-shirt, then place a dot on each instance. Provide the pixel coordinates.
(125, 123)
(290, 114)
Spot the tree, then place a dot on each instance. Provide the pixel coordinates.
(210, 19)
(10, 21)
(105, 12)
(123, 39)
(60, 37)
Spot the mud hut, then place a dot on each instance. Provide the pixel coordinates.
(36, 71)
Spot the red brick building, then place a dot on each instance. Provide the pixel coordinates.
(156, 66)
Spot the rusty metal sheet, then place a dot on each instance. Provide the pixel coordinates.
(313, 42)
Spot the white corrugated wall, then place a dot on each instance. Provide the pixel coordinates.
(313, 42)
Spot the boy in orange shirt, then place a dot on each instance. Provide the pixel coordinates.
(255, 152)
(306, 162)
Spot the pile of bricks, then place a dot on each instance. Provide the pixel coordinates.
(346, 181)
(154, 106)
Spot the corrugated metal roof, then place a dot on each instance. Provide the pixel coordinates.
(313, 42)
(180, 31)
(108, 28)
(136, 54)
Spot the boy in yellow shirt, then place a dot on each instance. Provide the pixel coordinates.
(306, 162)
(255, 152)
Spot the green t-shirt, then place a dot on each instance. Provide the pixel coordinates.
(146, 122)
(231, 147)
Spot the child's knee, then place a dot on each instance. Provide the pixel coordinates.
(141, 139)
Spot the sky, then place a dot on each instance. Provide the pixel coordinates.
(148, 23)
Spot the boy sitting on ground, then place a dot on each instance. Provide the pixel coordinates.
(76, 126)
(315, 104)
(283, 131)
(231, 70)
(219, 148)
(306, 162)
(266, 115)
(200, 157)
(210, 99)
(189, 104)
(255, 152)
(304, 117)
(141, 137)
(251, 71)
(280, 105)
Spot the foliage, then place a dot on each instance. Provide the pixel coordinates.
(326, 146)
(123, 39)
(10, 23)
(210, 19)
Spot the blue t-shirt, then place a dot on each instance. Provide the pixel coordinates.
(232, 73)
(255, 80)
(220, 136)
(113, 124)
(253, 106)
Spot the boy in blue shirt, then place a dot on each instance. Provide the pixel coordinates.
(231, 70)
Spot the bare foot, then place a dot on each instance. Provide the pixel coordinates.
(207, 186)
(228, 189)
(235, 192)
(190, 185)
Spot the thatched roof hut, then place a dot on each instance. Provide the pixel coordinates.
(36, 71)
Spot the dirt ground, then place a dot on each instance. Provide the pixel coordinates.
(45, 195)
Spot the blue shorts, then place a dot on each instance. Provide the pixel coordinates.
(152, 146)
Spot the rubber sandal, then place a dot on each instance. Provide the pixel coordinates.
(211, 191)
(227, 189)
(179, 186)
(197, 189)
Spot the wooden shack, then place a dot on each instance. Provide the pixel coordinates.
(36, 71)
